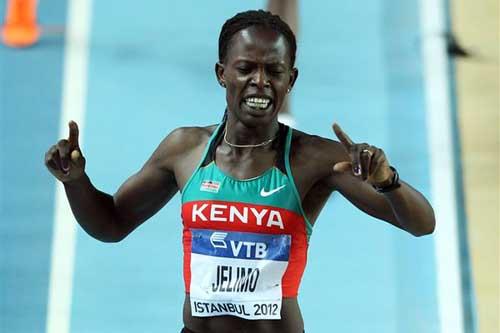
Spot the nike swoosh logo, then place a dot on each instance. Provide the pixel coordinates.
(264, 193)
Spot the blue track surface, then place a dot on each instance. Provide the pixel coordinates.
(150, 71)
(30, 104)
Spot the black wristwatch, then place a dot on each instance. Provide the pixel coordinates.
(392, 186)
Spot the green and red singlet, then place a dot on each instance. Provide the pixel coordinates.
(245, 241)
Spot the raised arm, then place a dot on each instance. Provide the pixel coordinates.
(111, 218)
(364, 168)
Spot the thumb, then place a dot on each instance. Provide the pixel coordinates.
(341, 167)
(77, 158)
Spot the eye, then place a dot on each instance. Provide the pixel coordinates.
(276, 71)
(244, 69)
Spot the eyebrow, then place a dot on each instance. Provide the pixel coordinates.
(271, 62)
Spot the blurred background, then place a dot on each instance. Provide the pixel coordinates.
(418, 78)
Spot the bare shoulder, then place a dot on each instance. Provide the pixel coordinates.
(186, 138)
(316, 149)
(315, 155)
(180, 143)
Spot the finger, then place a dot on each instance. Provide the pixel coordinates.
(380, 168)
(365, 157)
(357, 169)
(49, 159)
(52, 165)
(74, 132)
(342, 136)
(63, 147)
(56, 159)
(341, 167)
(374, 162)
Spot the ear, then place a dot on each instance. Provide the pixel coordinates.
(219, 73)
(294, 74)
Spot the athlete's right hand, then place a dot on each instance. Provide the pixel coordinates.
(65, 160)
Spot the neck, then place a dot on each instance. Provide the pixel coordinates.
(238, 133)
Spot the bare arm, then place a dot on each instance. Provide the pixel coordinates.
(111, 218)
(360, 167)
(405, 207)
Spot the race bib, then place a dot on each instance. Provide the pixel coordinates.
(237, 273)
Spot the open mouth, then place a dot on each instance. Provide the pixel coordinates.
(257, 103)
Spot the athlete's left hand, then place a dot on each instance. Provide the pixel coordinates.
(367, 162)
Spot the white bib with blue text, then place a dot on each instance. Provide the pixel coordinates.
(237, 273)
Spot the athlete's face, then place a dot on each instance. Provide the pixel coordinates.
(257, 74)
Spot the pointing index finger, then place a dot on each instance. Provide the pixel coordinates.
(342, 136)
(73, 135)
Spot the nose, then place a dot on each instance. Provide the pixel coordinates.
(260, 80)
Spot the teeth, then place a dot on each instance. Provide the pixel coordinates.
(256, 102)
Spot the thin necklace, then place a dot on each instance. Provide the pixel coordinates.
(247, 146)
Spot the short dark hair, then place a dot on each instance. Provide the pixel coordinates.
(250, 18)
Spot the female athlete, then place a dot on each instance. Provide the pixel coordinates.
(251, 188)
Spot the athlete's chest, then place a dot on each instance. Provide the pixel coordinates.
(244, 166)
(237, 169)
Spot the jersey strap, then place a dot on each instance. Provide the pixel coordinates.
(205, 153)
(288, 145)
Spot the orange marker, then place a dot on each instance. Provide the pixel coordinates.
(20, 28)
